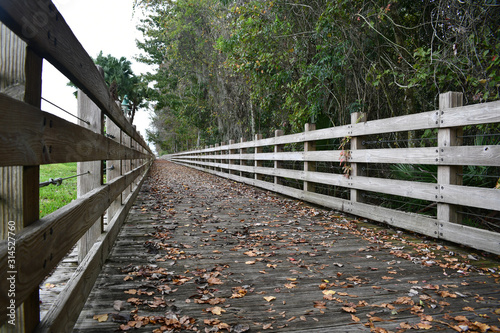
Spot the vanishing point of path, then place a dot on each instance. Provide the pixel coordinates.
(201, 253)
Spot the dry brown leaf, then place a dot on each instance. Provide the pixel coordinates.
(424, 326)
(101, 318)
(267, 326)
(269, 298)
(216, 310)
(349, 309)
(481, 326)
(329, 292)
(445, 293)
(354, 318)
(250, 262)
(213, 280)
(319, 305)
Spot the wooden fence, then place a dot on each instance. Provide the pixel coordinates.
(32, 247)
(266, 163)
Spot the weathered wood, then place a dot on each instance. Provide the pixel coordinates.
(41, 245)
(258, 163)
(298, 251)
(466, 155)
(25, 181)
(447, 175)
(64, 313)
(31, 179)
(44, 29)
(356, 144)
(12, 71)
(91, 171)
(113, 167)
(29, 136)
(277, 163)
(309, 166)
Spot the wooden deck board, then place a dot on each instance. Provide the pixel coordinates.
(213, 230)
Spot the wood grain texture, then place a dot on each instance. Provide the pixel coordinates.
(41, 245)
(75, 293)
(29, 136)
(40, 24)
(92, 171)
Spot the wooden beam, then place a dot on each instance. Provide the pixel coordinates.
(309, 166)
(41, 245)
(40, 24)
(29, 136)
(64, 313)
(92, 170)
(448, 175)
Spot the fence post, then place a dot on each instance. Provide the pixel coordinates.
(309, 166)
(232, 161)
(242, 151)
(20, 193)
(114, 167)
(222, 160)
(211, 159)
(125, 165)
(216, 160)
(90, 112)
(278, 163)
(357, 143)
(449, 175)
(258, 163)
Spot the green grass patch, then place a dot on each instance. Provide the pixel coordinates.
(53, 197)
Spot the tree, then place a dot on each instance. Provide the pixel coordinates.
(233, 68)
(122, 82)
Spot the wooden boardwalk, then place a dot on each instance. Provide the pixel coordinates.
(200, 253)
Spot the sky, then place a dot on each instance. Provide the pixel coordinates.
(107, 25)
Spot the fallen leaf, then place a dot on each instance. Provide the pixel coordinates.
(424, 326)
(267, 326)
(354, 318)
(213, 280)
(101, 318)
(319, 305)
(216, 310)
(269, 298)
(481, 326)
(349, 309)
(329, 292)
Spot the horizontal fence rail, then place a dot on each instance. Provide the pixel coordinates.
(262, 163)
(29, 137)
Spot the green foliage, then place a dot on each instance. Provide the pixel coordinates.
(230, 69)
(54, 197)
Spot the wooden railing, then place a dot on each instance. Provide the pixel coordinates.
(32, 247)
(264, 167)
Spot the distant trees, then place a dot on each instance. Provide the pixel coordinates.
(233, 68)
(122, 82)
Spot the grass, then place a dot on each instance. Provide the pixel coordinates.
(53, 197)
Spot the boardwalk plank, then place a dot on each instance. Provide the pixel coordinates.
(189, 231)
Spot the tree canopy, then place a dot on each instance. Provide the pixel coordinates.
(233, 68)
(122, 82)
